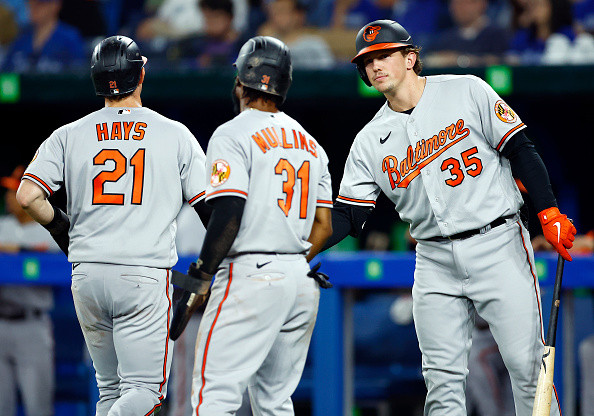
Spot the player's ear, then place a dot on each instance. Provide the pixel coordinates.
(411, 59)
(141, 79)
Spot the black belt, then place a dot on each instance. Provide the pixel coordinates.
(21, 315)
(465, 234)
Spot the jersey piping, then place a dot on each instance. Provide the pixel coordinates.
(355, 201)
(209, 337)
(242, 194)
(197, 198)
(40, 182)
(509, 134)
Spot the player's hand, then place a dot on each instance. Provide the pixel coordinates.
(558, 230)
(322, 278)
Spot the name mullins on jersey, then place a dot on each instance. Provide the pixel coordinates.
(120, 130)
(268, 137)
(424, 153)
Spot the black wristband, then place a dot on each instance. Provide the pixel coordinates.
(59, 223)
(58, 227)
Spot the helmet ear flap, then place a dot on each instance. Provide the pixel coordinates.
(363, 74)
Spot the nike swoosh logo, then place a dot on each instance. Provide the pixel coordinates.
(75, 265)
(259, 266)
(558, 225)
(382, 141)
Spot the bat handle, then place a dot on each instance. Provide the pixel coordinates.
(552, 333)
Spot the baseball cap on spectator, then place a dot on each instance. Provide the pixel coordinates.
(13, 181)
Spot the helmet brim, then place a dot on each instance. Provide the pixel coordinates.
(378, 47)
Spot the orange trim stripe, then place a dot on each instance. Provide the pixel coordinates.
(233, 191)
(167, 338)
(408, 178)
(508, 134)
(153, 409)
(535, 282)
(363, 201)
(29, 175)
(323, 201)
(557, 398)
(201, 194)
(210, 335)
(377, 47)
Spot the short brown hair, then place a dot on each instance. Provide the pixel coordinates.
(416, 50)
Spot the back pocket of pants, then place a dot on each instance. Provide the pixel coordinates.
(140, 279)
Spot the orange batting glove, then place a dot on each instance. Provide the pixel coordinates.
(558, 230)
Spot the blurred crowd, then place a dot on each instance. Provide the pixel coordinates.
(59, 35)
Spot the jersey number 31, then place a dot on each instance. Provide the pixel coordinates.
(284, 166)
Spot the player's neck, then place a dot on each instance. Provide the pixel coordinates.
(261, 105)
(132, 100)
(408, 95)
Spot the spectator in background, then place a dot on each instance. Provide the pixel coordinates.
(286, 21)
(544, 34)
(473, 40)
(86, 16)
(27, 342)
(19, 11)
(8, 30)
(178, 19)
(583, 16)
(423, 18)
(49, 45)
(217, 45)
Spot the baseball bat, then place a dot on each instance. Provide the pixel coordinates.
(544, 388)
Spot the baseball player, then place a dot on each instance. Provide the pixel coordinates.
(127, 171)
(269, 184)
(27, 341)
(443, 149)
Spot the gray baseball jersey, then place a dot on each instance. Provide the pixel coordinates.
(410, 158)
(273, 160)
(441, 167)
(126, 173)
(261, 291)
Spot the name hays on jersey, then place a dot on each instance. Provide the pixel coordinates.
(120, 130)
(425, 152)
(268, 138)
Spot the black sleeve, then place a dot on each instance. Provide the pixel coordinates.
(58, 228)
(528, 167)
(222, 229)
(346, 220)
(204, 211)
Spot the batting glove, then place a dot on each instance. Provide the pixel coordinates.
(558, 230)
(322, 278)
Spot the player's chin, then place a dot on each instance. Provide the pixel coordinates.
(382, 85)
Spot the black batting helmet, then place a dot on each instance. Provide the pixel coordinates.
(264, 64)
(116, 66)
(378, 35)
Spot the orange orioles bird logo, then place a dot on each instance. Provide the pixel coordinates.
(220, 172)
(370, 33)
(504, 112)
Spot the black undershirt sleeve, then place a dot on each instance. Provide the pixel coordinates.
(204, 211)
(222, 229)
(528, 167)
(346, 220)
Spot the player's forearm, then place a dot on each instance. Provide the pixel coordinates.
(346, 220)
(320, 232)
(33, 200)
(204, 211)
(527, 166)
(221, 231)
